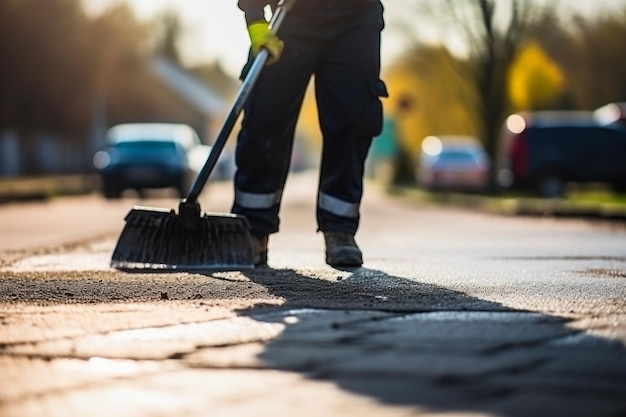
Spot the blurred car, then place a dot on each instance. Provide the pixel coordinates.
(544, 151)
(451, 162)
(141, 156)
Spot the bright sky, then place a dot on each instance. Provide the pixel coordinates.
(215, 29)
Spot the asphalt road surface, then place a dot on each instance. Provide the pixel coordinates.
(454, 312)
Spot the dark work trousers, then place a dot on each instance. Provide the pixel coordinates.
(341, 50)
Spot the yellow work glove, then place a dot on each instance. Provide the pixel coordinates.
(262, 37)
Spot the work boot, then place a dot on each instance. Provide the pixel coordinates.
(259, 249)
(341, 250)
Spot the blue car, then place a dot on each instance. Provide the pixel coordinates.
(144, 156)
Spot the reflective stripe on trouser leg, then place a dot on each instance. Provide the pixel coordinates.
(337, 207)
(261, 210)
(337, 215)
(256, 200)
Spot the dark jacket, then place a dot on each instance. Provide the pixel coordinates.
(254, 8)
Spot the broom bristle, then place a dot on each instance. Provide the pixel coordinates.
(158, 239)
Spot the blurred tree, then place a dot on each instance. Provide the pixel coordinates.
(494, 33)
(593, 56)
(41, 55)
(169, 29)
(55, 60)
(122, 45)
(491, 33)
(536, 82)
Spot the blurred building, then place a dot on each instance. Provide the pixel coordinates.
(161, 92)
(198, 104)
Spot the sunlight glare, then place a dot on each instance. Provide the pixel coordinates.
(515, 123)
(432, 146)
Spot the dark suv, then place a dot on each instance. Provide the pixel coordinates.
(543, 151)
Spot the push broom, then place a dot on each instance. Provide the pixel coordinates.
(161, 239)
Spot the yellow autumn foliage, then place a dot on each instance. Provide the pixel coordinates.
(441, 99)
(535, 80)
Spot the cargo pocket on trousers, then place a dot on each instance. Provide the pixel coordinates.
(372, 122)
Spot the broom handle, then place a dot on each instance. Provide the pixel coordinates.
(242, 96)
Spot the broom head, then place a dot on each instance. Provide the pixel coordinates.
(160, 239)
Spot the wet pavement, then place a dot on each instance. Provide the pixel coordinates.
(454, 313)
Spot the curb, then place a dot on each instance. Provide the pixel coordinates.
(43, 188)
(517, 206)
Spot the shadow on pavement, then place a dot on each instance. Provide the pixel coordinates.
(405, 343)
(390, 339)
